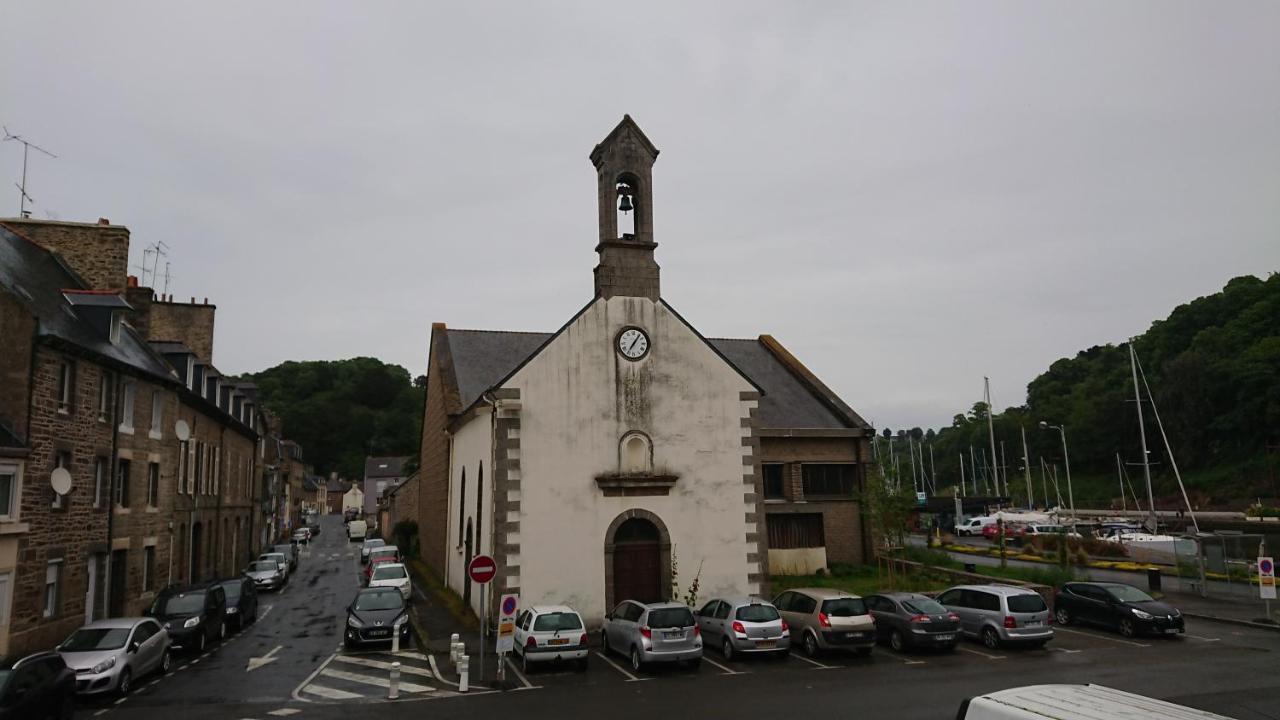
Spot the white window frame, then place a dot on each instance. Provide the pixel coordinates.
(99, 475)
(157, 415)
(65, 374)
(50, 604)
(148, 568)
(6, 596)
(105, 394)
(114, 334)
(15, 491)
(126, 413)
(153, 481)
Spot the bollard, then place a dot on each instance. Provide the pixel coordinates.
(453, 648)
(393, 688)
(464, 667)
(395, 639)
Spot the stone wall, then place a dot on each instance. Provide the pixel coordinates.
(433, 475)
(188, 323)
(98, 253)
(843, 527)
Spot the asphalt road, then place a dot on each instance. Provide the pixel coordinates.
(1228, 669)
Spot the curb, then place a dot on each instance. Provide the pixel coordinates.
(1232, 621)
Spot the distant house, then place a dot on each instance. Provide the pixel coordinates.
(353, 499)
(381, 473)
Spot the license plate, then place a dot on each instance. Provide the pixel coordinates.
(673, 635)
(1032, 623)
(853, 635)
(945, 638)
(558, 641)
(379, 633)
(1171, 631)
(766, 643)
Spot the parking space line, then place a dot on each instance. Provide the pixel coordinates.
(616, 666)
(1065, 650)
(1205, 639)
(366, 662)
(1101, 637)
(727, 670)
(988, 656)
(813, 662)
(527, 685)
(904, 658)
(331, 693)
(103, 711)
(375, 680)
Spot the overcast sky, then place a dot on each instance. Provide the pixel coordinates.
(909, 196)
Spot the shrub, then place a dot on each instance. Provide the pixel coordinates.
(405, 533)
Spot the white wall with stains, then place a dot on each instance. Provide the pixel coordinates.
(472, 453)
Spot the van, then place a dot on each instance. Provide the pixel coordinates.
(973, 526)
(356, 530)
(1072, 702)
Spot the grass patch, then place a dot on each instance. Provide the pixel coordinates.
(862, 580)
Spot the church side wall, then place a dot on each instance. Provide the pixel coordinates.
(578, 397)
(472, 454)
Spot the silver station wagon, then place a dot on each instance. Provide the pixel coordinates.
(657, 632)
(999, 614)
(744, 625)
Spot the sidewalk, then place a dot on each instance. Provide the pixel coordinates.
(433, 622)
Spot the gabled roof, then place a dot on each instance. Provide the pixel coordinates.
(626, 126)
(384, 467)
(482, 358)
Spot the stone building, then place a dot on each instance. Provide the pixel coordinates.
(591, 460)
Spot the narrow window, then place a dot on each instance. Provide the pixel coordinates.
(6, 582)
(148, 567)
(99, 480)
(126, 414)
(122, 482)
(462, 504)
(157, 414)
(66, 374)
(52, 581)
(153, 484)
(105, 395)
(8, 494)
(182, 466)
(774, 487)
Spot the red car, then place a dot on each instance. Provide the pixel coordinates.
(992, 531)
(384, 554)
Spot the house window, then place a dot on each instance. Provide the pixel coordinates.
(636, 454)
(829, 480)
(99, 480)
(66, 380)
(773, 481)
(52, 583)
(217, 469)
(157, 414)
(462, 505)
(105, 395)
(6, 585)
(148, 567)
(114, 333)
(153, 484)
(122, 482)
(61, 459)
(10, 481)
(800, 530)
(126, 415)
(199, 467)
(182, 465)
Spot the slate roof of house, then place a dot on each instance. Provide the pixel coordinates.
(483, 358)
(383, 467)
(38, 279)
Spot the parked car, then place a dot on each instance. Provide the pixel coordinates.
(999, 614)
(290, 551)
(370, 544)
(357, 530)
(550, 633)
(193, 616)
(974, 525)
(242, 601)
(1042, 529)
(656, 632)
(379, 555)
(1117, 606)
(281, 559)
(828, 619)
(266, 574)
(301, 535)
(911, 620)
(1073, 702)
(744, 625)
(374, 615)
(394, 575)
(108, 655)
(992, 531)
(37, 687)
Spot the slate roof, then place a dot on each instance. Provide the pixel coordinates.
(37, 278)
(373, 467)
(482, 358)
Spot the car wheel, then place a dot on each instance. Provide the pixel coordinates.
(126, 682)
(896, 641)
(990, 638)
(166, 662)
(636, 663)
(604, 643)
(222, 631)
(201, 642)
(67, 710)
(1127, 628)
(524, 663)
(726, 649)
(1062, 616)
(810, 645)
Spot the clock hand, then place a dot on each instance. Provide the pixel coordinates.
(632, 346)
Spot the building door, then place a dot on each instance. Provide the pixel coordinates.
(637, 562)
(118, 574)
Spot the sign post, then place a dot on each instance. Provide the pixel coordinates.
(1267, 580)
(506, 629)
(482, 570)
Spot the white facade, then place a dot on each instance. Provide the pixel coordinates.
(353, 499)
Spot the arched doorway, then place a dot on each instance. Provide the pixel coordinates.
(466, 580)
(637, 559)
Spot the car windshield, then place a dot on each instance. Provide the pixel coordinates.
(756, 613)
(284, 549)
(393, 572)
(671, 617)
(373, 542)
(1125, 593)
(923, 606)
(180, 604)
(263, 566)
(379, 601)
(278, 557)
(844, 607)
(86, 639)
(383, 552)
(1030, 603)
(551, 622)
(232, 589)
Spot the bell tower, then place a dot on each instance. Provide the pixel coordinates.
(624, 165)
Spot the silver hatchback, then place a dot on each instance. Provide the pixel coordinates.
(744, 625)
(999, 614)
(656, 632)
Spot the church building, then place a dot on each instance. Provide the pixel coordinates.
(593, 461)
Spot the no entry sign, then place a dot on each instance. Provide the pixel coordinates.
(482, 569)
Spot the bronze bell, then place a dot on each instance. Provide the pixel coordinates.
(625, 205)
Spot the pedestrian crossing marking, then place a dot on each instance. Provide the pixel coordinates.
(379, 681)
(331, 693)
(410, 669)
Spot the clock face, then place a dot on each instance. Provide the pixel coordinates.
(633, 343)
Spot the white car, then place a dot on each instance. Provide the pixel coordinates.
(550, 633)
(280, 559)
(370, 544)
(302, 535)
(394, 575)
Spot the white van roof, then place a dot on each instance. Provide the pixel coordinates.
(1076, 702)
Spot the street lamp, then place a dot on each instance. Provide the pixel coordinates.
(1066, 460)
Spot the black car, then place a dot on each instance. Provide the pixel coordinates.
(911, 620)
(194, 616)
(242, 601)
(1118, 606)
(37, 687)
(374, 615)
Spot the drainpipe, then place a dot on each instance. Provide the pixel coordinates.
(116, 403)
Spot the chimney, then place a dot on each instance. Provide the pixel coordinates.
(98, 253)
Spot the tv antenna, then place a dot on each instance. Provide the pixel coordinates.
(22, 187)
(151, 262)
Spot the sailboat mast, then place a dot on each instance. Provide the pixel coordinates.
(1026, 467)
(962, 490)
(991, 430)
(1120, 475)
(1142, 434)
